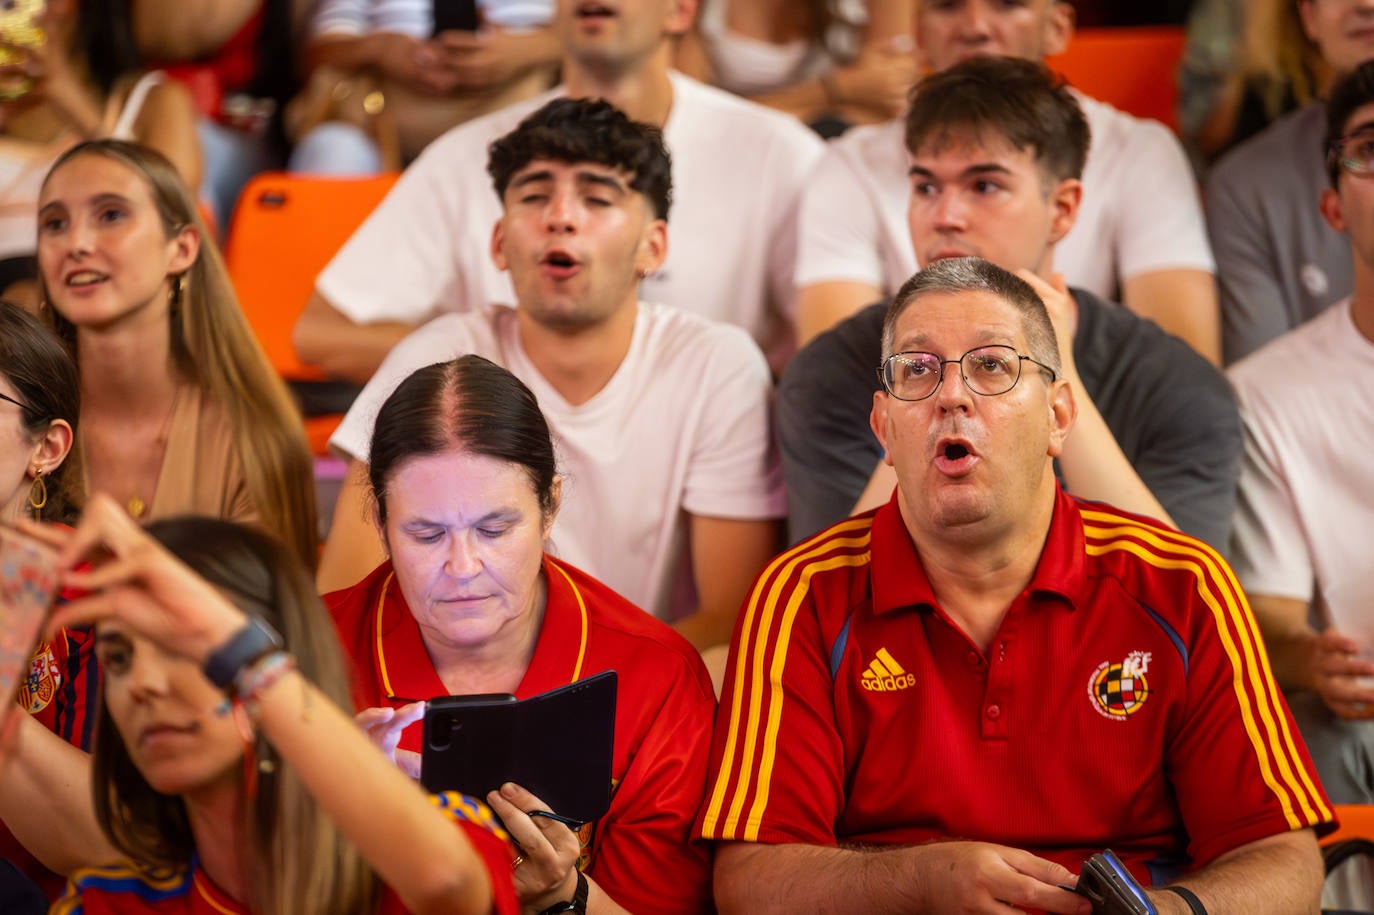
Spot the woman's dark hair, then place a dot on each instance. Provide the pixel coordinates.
(42, 372)
(104, 38)
(299, 861)
(470, 403)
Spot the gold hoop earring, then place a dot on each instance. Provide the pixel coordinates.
(38, 494)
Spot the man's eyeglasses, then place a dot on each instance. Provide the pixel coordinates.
(987, 370)
(1353, 154)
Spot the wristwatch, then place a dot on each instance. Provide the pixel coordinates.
(247, 645)
(578, 903)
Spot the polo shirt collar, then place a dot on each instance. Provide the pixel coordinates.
(558, 656)
(899, 579)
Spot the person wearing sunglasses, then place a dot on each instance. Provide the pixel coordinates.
(996, 149)
(951, 703)
(1304, 502)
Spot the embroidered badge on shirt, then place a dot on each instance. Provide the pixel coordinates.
(1118, 691)
(39, 687)
(885, 675)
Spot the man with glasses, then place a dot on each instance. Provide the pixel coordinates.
(996, 149)
(1306, 506)
(1278, 262)
(949, 704)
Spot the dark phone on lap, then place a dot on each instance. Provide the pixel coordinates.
(455, 16)
(1111, 888)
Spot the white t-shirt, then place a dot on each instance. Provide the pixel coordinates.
(1140, 210)
(681, 428)
(1305, 516)
(738, 170)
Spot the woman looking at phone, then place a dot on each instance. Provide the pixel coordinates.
(40, 400)
(465, 491)
(182, 413)
(256, 793)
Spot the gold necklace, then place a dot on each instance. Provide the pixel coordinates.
(136, 505)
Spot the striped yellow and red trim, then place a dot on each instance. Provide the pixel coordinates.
(746, 767)
(1277, 756)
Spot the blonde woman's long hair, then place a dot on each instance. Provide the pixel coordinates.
(1277, 56)
(297, 862)
(216, 349)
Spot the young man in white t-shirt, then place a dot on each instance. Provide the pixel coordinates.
(1305, 510)
(1139, 239)
(671, 486)
(739, 168)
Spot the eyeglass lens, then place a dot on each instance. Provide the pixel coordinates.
(987, 370)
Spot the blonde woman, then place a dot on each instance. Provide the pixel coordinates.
(181, 411)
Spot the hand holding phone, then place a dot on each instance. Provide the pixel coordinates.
(455, 16)
(1111, 888)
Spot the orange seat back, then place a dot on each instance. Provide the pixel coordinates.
(286, 228)
(1356, 822)
(1135, 69)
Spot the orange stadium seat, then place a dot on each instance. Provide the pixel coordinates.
(1135, 69)
(285, 229)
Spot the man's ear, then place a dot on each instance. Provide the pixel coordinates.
(653, 248)
(1059, 23)
(877, 421)
(1332, 211)
(1065, 198)
(498, 238)
(1063, 410)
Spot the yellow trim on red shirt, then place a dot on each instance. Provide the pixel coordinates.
(381, 655)
(204, 892)
(1221, 593)
(586, 621)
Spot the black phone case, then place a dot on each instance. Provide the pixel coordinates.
(558, 745)
(455, 15)
(1111, 888)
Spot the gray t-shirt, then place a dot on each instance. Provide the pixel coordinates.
(1278, 261)
(1171, 411)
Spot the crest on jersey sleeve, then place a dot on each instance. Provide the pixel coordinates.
(1119, 690)
(39, 687)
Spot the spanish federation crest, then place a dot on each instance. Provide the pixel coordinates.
(39, 686)
(1119, 690)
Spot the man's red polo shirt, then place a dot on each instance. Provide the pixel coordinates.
(1125, 701)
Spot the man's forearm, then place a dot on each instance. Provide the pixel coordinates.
(1279, 875)
(325, 338)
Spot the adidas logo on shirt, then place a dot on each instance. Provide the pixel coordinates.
(885, 675)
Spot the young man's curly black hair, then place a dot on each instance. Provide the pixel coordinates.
(587, 130)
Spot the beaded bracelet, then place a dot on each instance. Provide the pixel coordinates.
(256, 678)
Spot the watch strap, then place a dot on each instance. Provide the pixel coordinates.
(1189, 897)
(247, 645)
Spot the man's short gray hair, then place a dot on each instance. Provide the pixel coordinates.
(973, 274)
